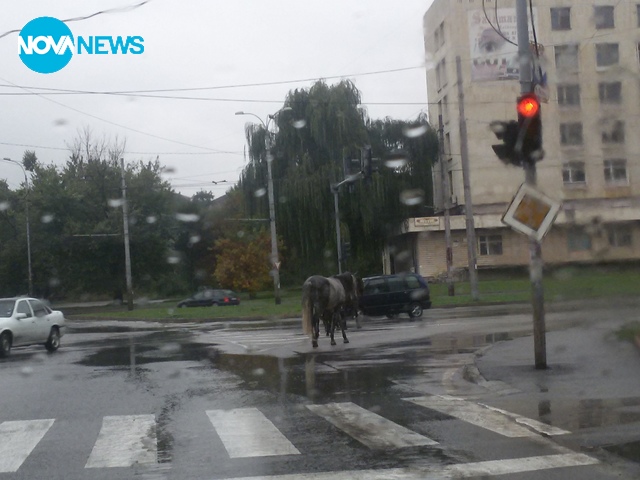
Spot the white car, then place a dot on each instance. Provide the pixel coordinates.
(28, 321)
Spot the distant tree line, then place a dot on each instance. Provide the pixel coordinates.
(179, 244)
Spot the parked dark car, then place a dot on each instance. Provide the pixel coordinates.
(391, 295)
(211, 297)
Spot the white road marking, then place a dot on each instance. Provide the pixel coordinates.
(534, 424)
(458, 471)
(124, 441)
(18, 439)
(369, 428)
(473, 413)
(246, 432)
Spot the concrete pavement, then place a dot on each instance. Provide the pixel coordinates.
(591, 386)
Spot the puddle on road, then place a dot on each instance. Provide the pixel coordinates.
(630, 451)
(578, 414)
(326, 375)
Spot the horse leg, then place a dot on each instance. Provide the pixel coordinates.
(333, 327)
(344, 335)
(315, 331)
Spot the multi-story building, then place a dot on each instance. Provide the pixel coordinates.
(589, 60)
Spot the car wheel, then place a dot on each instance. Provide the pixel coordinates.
(54, 340)
(5, 344)
(415, 310)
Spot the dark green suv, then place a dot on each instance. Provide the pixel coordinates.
(391, 295)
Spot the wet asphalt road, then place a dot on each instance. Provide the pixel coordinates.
(179, 377)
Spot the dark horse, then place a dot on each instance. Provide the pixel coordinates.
(328, 298)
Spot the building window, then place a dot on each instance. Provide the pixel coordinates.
(568, 94)
(573, 173)
(610, 92)
(603, 16)
(607, 54)
(620, 236)
(566, 56)
(613, 132)
(439, 36)
(561, 18)
(490, 244)
(441, 74)
(578, 240)
(615, 171)
(571, 133)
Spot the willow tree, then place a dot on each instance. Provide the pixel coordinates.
(318, 132)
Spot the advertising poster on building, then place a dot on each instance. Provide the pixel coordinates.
(492, 56)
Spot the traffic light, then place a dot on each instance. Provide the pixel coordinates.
(522, 140)
(530, 125)
(508, 133)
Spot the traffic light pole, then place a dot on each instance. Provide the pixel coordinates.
(535, 249)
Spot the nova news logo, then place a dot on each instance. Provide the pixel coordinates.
(46, 45)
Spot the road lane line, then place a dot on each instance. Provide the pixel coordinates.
(535, 424)
(475, 414)
(369, 428)
(446, 472)
(246, 432)
(124, 441)
(18, 439)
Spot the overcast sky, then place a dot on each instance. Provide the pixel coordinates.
(203, 43)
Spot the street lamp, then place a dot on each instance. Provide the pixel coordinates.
(26, 181)
(272, 209)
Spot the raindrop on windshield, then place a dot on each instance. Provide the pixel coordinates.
(173, 259)
(412, 197)
(397, 162)
(187, 217)
(4, 206)
(47, 218)
(299, 123)
(414, 132)
(115, 202)
(151, 219)
(194, 239)
(261, 192)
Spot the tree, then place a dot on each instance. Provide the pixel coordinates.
(325, 129)
(243, 262)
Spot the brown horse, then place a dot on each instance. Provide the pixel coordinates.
(328, 298)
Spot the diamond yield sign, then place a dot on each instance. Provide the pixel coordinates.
(531, 212)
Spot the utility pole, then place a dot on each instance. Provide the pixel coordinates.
(444, 188)
(335, 188)
(535, 249)
(275, 262)
(127, 253)
(468, 203)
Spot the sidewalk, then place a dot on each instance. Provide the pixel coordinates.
(587, 362)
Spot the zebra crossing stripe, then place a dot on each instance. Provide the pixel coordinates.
(18, 439)
(448, 472)
(246, 432)
(474, 414)
(369, 428)
(536, 425)
(124, 441)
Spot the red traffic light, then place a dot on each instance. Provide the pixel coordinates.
(528, 106)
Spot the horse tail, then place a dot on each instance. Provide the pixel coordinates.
(307, 308)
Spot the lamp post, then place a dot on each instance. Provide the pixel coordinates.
(275, 263)
(26, 181)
